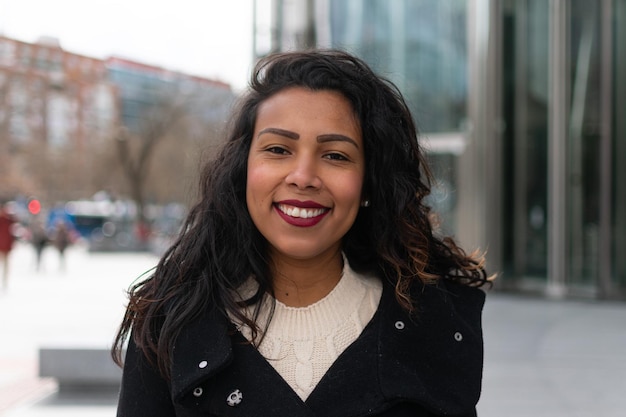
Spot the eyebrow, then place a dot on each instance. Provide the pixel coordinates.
(330, 137)
(281, 132)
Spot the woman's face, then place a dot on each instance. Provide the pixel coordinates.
(305, 172)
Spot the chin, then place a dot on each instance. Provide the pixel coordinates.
(301, 253)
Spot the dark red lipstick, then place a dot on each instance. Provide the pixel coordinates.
(305, 205)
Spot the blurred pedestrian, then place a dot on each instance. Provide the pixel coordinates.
(7, 239)
(61, 239)
(39, 239)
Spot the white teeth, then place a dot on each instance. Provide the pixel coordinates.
(300, 212)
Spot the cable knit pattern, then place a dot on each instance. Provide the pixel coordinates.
(302, 343)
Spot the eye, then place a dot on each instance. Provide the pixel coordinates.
(277, 150)
(335, 156)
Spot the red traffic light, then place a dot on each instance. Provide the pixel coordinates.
(34, 206)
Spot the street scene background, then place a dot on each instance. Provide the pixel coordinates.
(106, 113)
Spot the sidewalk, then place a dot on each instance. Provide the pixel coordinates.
(79, 306)
(553, 358)
(543, 358)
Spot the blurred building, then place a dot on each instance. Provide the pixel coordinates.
(52, 96)
(521, 105)
(51, 101)
(61, 111)
(144, 88)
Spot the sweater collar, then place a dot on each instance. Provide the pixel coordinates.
(322, 317)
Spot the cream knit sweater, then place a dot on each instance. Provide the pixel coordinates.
(302, 343)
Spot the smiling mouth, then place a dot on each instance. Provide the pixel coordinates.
(301, 212)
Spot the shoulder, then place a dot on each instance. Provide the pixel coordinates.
(440, 305)
(449, 295)
(437, 350)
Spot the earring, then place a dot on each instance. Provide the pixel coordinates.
(365, 203)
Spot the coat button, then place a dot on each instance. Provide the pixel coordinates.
(197, 392)
(234, 398)
(203, 364)
(399, 325)
(458, 336)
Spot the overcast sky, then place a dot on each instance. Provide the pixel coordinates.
(209, 38)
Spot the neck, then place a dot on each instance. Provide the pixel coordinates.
(300, 283)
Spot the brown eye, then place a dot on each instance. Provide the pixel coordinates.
(276, 150)
(335, 157)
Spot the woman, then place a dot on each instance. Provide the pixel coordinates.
(307, 280)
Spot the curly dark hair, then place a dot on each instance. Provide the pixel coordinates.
(219, 247)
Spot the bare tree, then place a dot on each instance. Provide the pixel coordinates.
(136, 150)
(174, 131)
(177, 160)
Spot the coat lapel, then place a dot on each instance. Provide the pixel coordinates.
(202, 349)
(212, 362)
(262, 391)
(351, 385)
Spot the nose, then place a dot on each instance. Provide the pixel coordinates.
(304, 173)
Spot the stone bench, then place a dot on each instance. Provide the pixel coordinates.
(80, 368)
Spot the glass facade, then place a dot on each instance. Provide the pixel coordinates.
(148, 93)
(525, 111)
(419, 45)
(617, 150)
(520, 104)
(139, 93)
(585, 163)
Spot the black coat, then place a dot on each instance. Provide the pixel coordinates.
(430, 365)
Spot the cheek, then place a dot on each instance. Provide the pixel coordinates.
(352, 188)
(256, 182)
